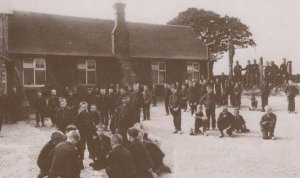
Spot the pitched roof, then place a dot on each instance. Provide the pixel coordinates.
(34, 33)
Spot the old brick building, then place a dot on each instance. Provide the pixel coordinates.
(50, 50)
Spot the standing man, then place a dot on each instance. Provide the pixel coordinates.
(248, 74)
(291, 92)
(268, 123)
(284, 70)
(209, 100)
(237, 95)
(64, 116)
(167, 94)
(274, 73)
(40, 107)
(192, 96)
(73, 102)
(147, 101)
(267, 72)
(53, 105)
(14, 103)
(237, 70)
(154, 95)
(175, 109)
(183, 94)
(218, 90)
(265, 92)
(136, 101)
(255, 69)
(65, 161)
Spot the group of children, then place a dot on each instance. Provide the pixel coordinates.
(142, 152)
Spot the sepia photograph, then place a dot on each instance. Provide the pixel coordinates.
(149, 88)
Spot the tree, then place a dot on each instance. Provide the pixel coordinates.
(227, 33)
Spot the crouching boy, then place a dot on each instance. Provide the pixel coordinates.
(268, 123)
(199, 121)
(225, 121)
(239, 122)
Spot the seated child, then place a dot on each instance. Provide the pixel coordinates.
(225, 121)
(155, 153)
(268, 123)
(45, 156)
(254, 103)
(100, 148)
(239, 122)
(199, 121)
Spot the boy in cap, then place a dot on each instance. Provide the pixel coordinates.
(225, 121)
(198, 122)
(45, 156)
(40, 108)
(268, 123)
(101, 146)
(175, 105)
(239, 123)
(141, 157)
(64, 116)
(210, 100)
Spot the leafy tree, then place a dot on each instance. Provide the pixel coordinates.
(226, 33)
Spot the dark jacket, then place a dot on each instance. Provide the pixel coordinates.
(192, 95)
(136, 100)
(225, 120)
(175, 103)
(167, 94)
(85, 125)
(124, 117)
(268, 120)
(45, 157)
(102, 104)
(94, 117)
(141, 158)
(237, 70)
(155, 153)
(53, 103)
(120, 164)
(209, 100)
(64, 117)
(100, 149)
(65, 161)
(147, 96)
(40, 104)
(291, 91)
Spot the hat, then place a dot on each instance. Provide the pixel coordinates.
(58, 136)
(133, 132)
(70, 127)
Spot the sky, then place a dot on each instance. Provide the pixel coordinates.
(275, 24)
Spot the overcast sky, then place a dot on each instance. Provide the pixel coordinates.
(275, 24)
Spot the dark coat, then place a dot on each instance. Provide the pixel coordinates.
(141, 158)
(85, 125)
(64, 117)
(102, 104)
(120, 164)
(175, 103)
(192, 95)
(237, 70)
(100, 149)
(73, 101)
(268, 120)
(45, 157)
(95, 117)
(225, 120)
(167, 94)
(53, 103)
(39, 104)
(155, 153)
(136, 100)
(147, 96)
(209, 100)
(65, 162)
(124, 117)
(291, 91)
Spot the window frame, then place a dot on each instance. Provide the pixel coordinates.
(193, 64)
(158, 70)
(34, 72)
(86, 70)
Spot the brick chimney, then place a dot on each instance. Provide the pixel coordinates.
(120, 44)
(120, 34)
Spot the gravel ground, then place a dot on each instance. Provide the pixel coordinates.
(242, 155)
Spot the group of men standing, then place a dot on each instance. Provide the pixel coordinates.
(273, 74)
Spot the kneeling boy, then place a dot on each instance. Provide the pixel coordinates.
(268, 123)
(239, 122)
(198, 122)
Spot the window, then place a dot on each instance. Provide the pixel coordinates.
(86, 72)
(34, 72)
(158, 72)
(193, 70)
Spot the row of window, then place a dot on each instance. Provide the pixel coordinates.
(35, 72)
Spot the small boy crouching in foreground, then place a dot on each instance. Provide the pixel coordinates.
(199, 121)
(239, 122)
(225, 122)
(268, 123)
